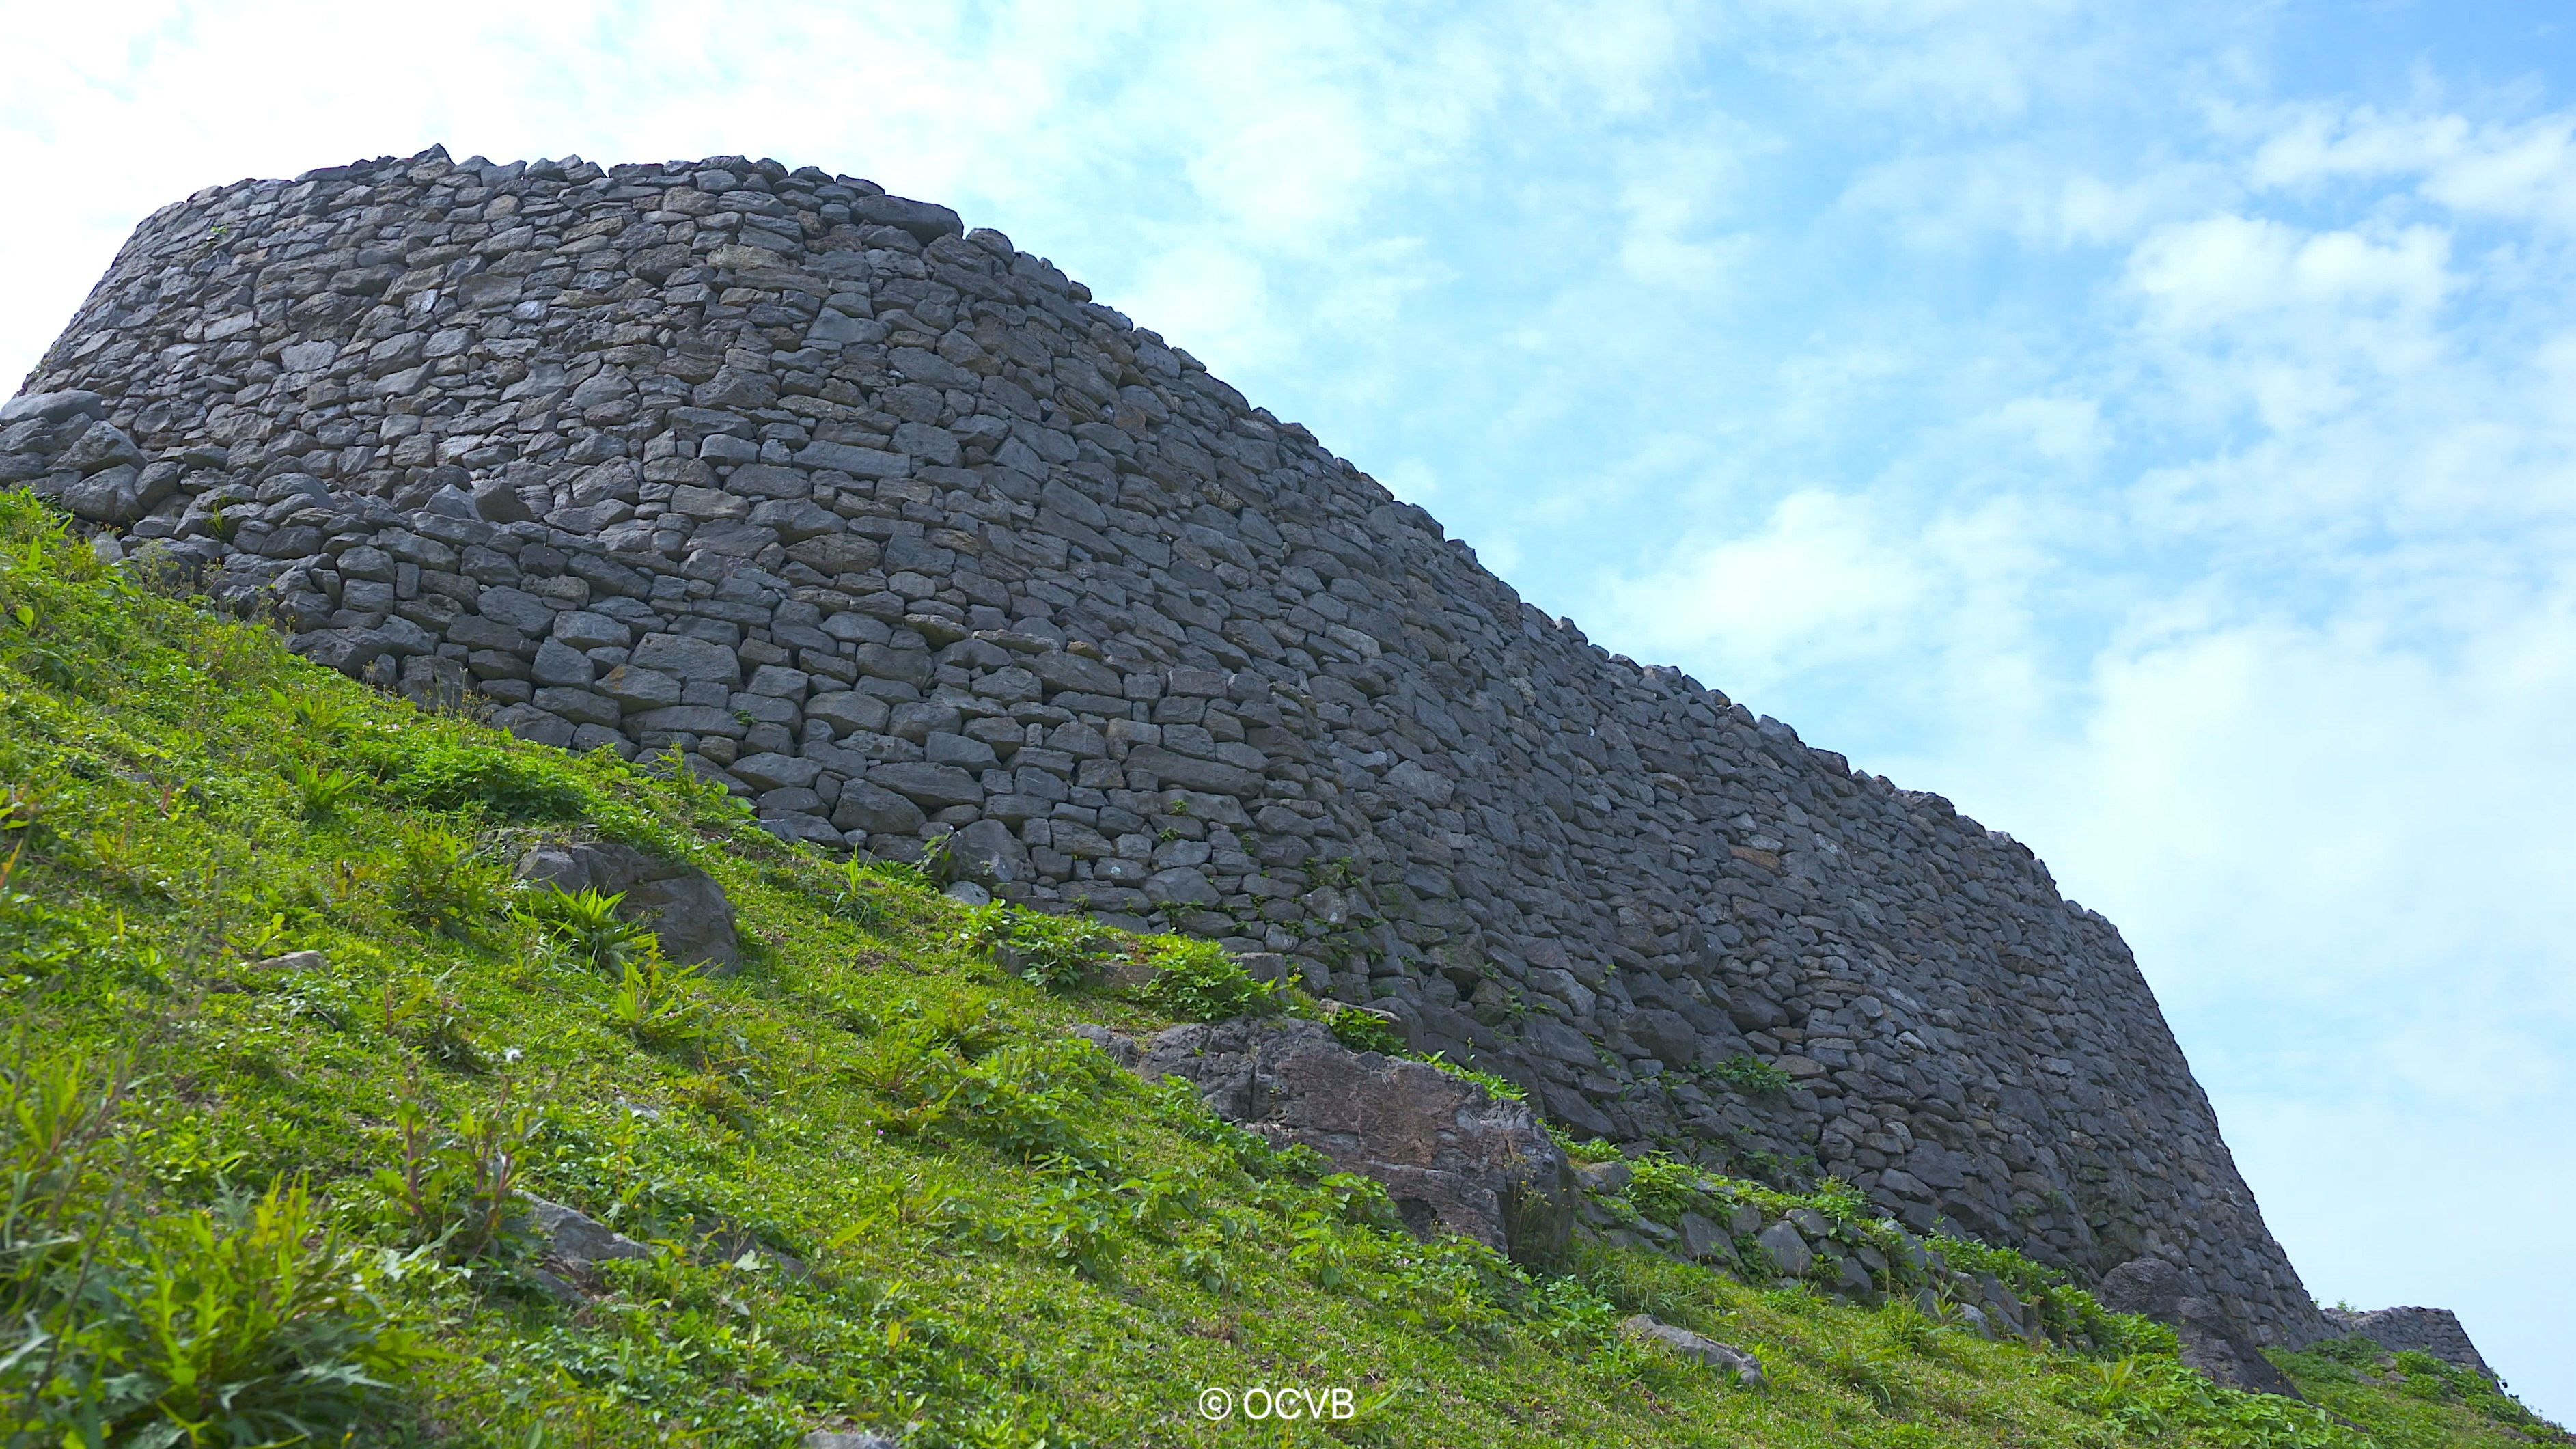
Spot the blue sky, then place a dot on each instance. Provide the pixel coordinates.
(2149, 425)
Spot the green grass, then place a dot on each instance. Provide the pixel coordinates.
(883, 1186)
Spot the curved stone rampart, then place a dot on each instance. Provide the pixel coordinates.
(897, 532)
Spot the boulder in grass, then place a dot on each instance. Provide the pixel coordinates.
(682, 905)
(1726, 1358)
(1452, 1157)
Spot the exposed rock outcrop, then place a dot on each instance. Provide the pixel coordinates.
(1726, 1358)
(1452, 1157)
(574, 1239)
(2436, 1331)
(2211, 1341)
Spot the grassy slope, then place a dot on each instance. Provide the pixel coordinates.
(1008, 1241)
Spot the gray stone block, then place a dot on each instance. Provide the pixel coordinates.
(579, 706)
(1788, 1251)
(773, 771)
(931, 786)
(848, 711)
(685, 658)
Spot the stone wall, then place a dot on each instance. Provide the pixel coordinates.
(895, 531)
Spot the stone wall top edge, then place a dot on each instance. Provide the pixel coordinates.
(1423, 547)
(1420, 540)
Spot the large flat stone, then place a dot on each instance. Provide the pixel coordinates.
(1453, 1158)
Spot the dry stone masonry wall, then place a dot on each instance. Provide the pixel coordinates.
(897, 533)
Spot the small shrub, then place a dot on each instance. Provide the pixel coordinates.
(940, 865)
(1751, 1075)
(2354, 1351)
(246, 1324)
(1664, 1189)
(57, 1114)
(1074, 1222)
(851, 898)
(1363, 1030)
(455, 1190)
(720, 1097)
(1842, 1202)
(1198, 981)
(1595, 1150)
(314, 713)
(702, 801)
(986, 927)
(1316, 1246)
(1902, 1326)
(437, 881)
(1021, 1099)
(424, 1013)
(36, 941)
(1057, 954)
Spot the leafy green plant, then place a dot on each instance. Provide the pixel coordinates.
(587, 922)
(1842, 1202)
(700, 800)
(1333, 872)
(852, 898)
(1870, 1372)
(655, 1001)
(1751, 1075)
(455, 1189)
(1058, 955)
(22, 804)
(251, 1323)
(1503, 1088)
(36, 941)
(438, 881)
(1074, 1222)
(1664, 1189)
(58, 1118)
(1901, 1325)
(940, 864)
(1021, 1098)
(424, 1012)
(1363, 1030)
(314, 713)
(247, 1322)
(987, 926)
(318, 793)
(1316, 1247)
(1198, 981)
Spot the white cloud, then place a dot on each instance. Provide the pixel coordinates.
(2200, 275)
(2066, 430)
(1411, 479)
(2029, 194)
(2521, 170)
